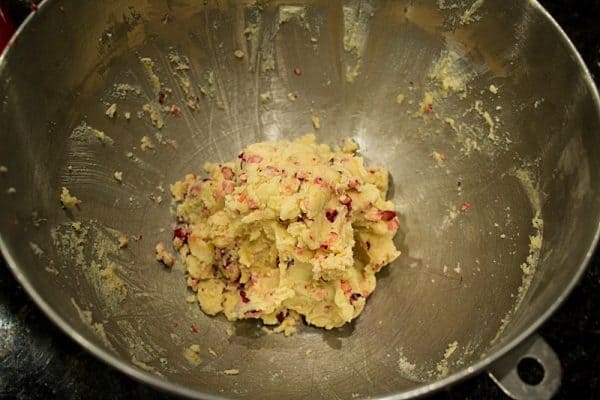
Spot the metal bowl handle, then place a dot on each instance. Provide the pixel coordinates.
(504, 372)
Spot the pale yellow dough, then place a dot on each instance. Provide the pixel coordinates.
(289, 229)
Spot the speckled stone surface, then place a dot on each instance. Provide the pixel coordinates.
(37, 361)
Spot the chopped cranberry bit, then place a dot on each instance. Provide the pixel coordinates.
(319, 180)
(175, 110)
(298, 71)
(346, 287)
(355, 296)
(325, 246)
(331, 215)
(428, 109)
(353, 183)
(175, 324)
(465, 206)
(280, 317)
(194, 329)
(254, 159)
(181, 234)
(34, 7)
(347, 201)
(162, 97)
(227, 172)
(245, 299)
(388, 215)
(368, 245)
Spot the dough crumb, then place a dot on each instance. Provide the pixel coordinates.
(350, 146)
(239, 54)
(231, 372)
(111, 111)
(439, 157)
(192, 355)
(3, 169)
(426, 106)
(146, 143)
(351, 73)
(400, 99)
(11, 190)
(127, 115)
(265, 98)
(36, 249)
(292, 96)
(155, 115)
(494, 89)
(316, 121)
(163, 255)
(118, 175)
(68, 201)
(123, 242)
(190, 299)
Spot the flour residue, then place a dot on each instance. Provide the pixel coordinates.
(87, 134)
(96, 327)
(427, 371)
(529, 266)
(470, 14)
(451, 72)
(95, 251)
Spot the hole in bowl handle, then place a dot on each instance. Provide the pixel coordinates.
(504, 371)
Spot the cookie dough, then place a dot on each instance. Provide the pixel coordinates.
(289, 229)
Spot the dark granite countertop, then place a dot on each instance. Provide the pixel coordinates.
(39, 362)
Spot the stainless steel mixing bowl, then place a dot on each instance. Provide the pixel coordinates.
(469, 176)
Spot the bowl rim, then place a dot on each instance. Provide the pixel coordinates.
(425, 389)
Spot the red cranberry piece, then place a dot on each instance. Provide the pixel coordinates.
(181, 234)
(254, 159)
(331, 215)
(280, 317)
(245, 299)
(388, 215)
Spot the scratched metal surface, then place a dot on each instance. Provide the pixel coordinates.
(421, 305)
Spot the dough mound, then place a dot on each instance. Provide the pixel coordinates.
(289, 229)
